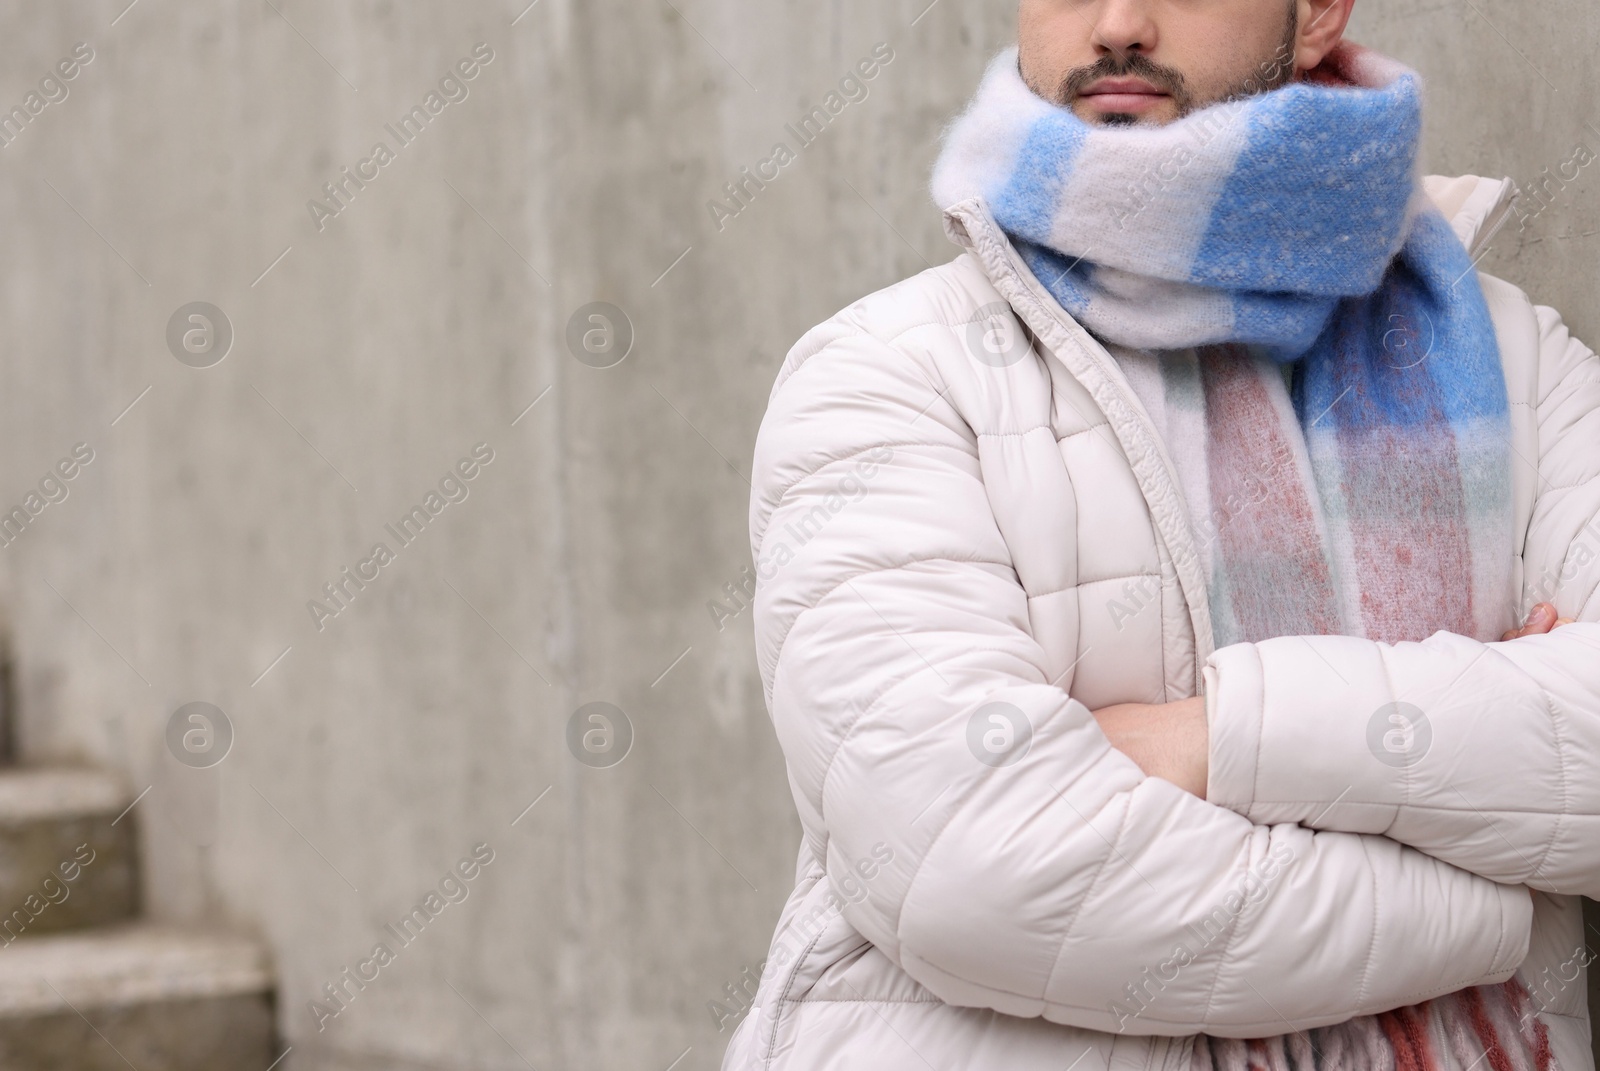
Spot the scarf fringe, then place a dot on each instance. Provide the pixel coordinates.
(1488, 1028)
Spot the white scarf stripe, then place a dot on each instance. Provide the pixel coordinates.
(1117, 188)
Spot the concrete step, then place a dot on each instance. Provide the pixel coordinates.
(66, 860)
(153, 997)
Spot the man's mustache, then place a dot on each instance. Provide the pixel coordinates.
(1132, 64)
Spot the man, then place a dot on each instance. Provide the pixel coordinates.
(1138, 590)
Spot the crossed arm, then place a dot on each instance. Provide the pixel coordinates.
(1486, 756)
(1172, 740)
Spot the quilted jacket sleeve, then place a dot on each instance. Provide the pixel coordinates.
(1035, 869)
(1483, 755)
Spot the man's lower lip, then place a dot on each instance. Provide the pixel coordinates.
(1125, 102)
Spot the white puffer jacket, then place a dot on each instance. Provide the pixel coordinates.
(951, 530)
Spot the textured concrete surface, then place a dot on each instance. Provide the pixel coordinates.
(374, 747)
(35, 794)
(185, 1035)
(159, 998)
(116, 966)
(64, 875)
(67, 855)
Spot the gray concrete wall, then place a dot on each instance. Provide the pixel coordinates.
(423, 319)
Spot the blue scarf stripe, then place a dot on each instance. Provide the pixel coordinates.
(1415, 351)
(1028, 199)
(1065, 281)
(1317, 200)
(1285, 325)
(1472, 374)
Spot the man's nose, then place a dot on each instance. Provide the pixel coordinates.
(1124, 26)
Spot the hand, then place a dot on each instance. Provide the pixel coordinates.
(1167, 740)
(1541, 619)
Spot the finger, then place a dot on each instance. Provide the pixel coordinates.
(1541, 619)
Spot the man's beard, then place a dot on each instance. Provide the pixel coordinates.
(1275, 71)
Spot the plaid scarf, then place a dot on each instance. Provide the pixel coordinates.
(1287, 228)
(1310, 337)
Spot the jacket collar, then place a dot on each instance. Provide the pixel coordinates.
(970, 225)
(1475, 207)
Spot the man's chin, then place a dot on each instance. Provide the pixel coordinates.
(1159, 116)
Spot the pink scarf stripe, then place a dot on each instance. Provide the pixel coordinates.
(1271, 559)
